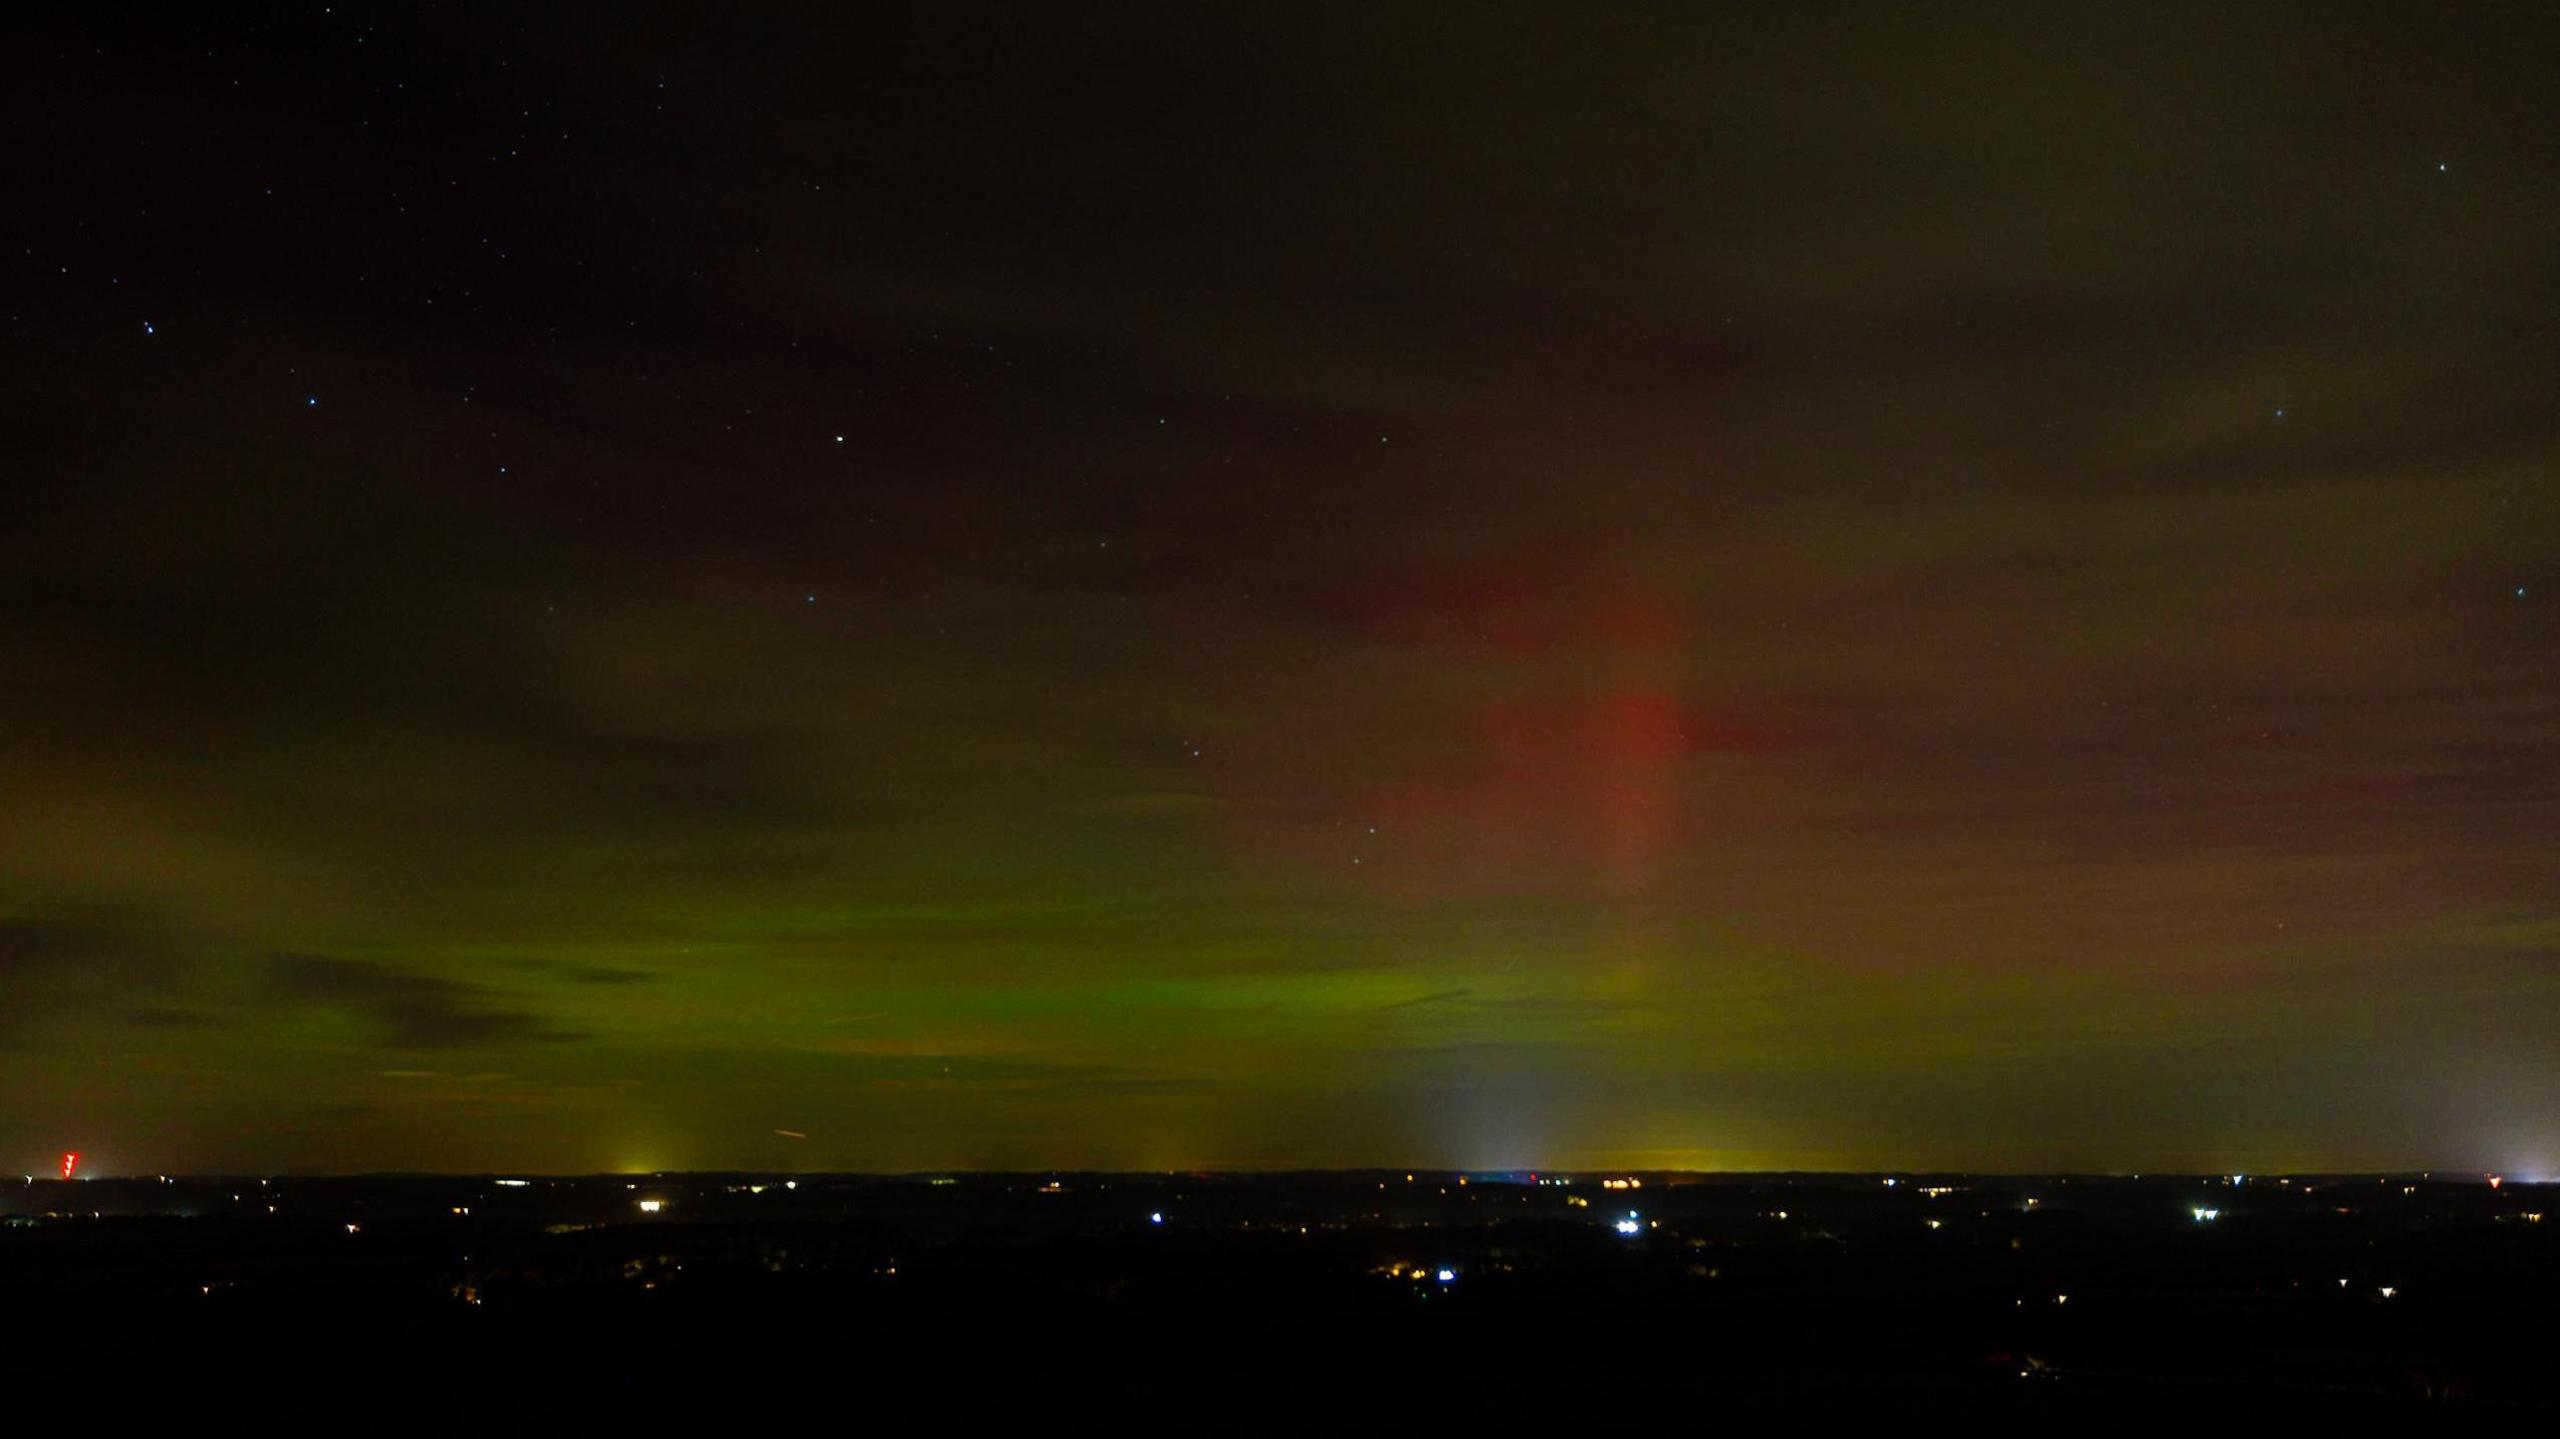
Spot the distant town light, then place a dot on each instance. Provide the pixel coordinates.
(2206, 1216)
(651, 1206)
(514, 1183)
(1448, 1276)
(1629, 1225)
(1156, 1217)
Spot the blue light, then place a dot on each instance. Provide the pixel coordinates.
(1448, 1276)
(1156, 1218)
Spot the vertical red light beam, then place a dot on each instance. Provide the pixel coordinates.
(70, 1161)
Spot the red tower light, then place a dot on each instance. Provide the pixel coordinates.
(70, 1161)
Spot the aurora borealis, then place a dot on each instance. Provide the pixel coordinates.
(1711, 587)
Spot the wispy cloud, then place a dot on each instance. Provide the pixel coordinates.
(409, 1010)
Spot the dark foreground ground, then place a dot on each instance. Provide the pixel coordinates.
(1270, 1303)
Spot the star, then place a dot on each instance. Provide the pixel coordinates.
(310, 401)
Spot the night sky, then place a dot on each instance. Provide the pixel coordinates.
(1731, 587)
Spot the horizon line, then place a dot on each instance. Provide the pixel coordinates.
(1492, 1175)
